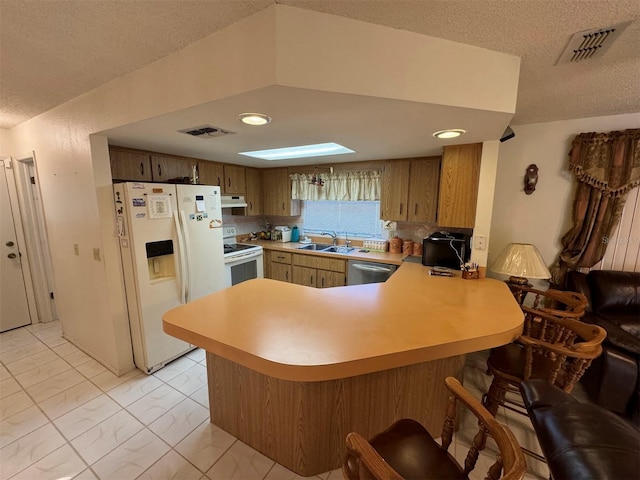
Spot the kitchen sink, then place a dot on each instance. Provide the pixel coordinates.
(334, 249)
(312, 246)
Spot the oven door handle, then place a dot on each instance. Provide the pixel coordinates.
(243, 257)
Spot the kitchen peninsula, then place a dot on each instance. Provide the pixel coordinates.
(293, 369)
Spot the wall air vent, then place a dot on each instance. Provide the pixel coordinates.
(206, 131)
(590, 44)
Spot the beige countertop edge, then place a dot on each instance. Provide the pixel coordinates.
(292, 247)
(318, 373)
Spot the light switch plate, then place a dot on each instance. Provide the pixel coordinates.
(480, 242)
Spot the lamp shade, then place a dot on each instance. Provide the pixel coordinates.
(521, 260)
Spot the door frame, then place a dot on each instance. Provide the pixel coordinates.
(8, 164)
(37, 241)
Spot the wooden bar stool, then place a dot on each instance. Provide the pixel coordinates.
(407, 451)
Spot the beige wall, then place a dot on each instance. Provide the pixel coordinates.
(5, 143)
(544, 216)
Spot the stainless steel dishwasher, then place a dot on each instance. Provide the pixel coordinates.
(368, 272)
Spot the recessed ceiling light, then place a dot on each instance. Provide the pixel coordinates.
(254, 118)
(317, 150)
(450, 133)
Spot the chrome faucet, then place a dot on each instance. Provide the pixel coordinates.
(333, 235)
(347, 242)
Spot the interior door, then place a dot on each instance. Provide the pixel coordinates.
(14, 309)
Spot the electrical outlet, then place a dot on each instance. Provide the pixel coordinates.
(388, 225)
(480, 242)
(76, 250)
(96, 254)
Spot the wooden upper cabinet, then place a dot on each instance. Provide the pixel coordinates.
(253, 194)
(423, 190)
(129, 165)
(395, 190)
(277, 193)
(234, 180)
(460, 172)
(168, 168)
(210, 173)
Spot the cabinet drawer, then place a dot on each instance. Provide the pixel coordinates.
(280, 257)
(305, 260)
(333, 264)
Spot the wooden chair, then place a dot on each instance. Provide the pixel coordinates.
(555, 349)
(407, 451)
(556, 302)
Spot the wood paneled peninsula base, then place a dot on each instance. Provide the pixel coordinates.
(293, 369)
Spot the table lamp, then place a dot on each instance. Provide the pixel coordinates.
(521, 261)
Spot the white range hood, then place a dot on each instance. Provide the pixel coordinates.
(230, 201)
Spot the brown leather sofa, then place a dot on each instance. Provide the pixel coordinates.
(612, 381)
(580, 440)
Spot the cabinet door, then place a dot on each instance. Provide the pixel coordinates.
(280, 271)
(326, 279)
(459, 176)
(254, 191)
(423, 190)
(165, 168)
(210, 173)
(395, 188)
(130, 166)
(277, 193)
(304, 276)
(234, 181)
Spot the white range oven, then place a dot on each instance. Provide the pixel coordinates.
(241, 261)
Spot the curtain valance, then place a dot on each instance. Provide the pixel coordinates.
(609, 162)
(344, 186)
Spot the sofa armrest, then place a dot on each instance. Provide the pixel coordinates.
(616, 336)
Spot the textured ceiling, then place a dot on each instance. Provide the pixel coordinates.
(54, 50)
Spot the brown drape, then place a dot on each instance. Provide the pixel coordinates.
(607, 167)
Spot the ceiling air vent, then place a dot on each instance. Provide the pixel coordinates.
(590, 43)
(206, 131)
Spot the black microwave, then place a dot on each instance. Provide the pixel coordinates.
(444, 249)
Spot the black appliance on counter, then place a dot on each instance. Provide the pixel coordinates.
(444, 249)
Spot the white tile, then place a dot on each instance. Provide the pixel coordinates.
(107, 380)
(278, 472)
(205, 445)
(43, 372)
(197, 355)
(53, 330)
(132, 458)
(134, 389)
(169, 371)
(9, 386)
(91, 368)
(190, 380)
(20, 424)
(27, 450)
(66, 349)
(77, 358)
(16, 339)
(60, 464)
(36, 327)
(54, 385)
(30, 362)
(85, 475)
(8, 356)
(240, 462)
(13, 404)
(180, 421)
(69, 399)
(106, 436)
(53, 341)
(81, 419)
(201, 396)
(155, 403)
(171, 467)
(4, 373)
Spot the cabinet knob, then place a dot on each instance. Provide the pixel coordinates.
(229, 182)
(11, 255)
(9, 244)
(400, 209)
(283, 206)
(219, 184)
(159, 170)
(141, 168)
(323, 281)
(286, 275)
(415, 210)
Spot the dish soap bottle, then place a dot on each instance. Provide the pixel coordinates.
(295, 235)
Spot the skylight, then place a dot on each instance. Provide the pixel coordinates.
(301, 151)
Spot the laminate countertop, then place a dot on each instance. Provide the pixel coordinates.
(306, 334)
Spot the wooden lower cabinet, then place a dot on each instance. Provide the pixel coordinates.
(326, 279)
(280, 271)
(278, 265)
(305, 276)
(304, 269)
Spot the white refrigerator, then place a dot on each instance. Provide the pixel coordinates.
(172, 252)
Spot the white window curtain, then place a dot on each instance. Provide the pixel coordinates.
(343, 186)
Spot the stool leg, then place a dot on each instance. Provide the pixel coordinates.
(493, 399)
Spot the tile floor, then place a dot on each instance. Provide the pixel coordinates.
(64, 415)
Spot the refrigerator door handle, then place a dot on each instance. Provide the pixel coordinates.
(187, 263)
(182, 273)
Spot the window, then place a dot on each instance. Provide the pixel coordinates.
(361, 219)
